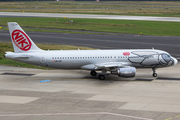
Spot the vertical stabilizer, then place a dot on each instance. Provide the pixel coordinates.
(21, 41)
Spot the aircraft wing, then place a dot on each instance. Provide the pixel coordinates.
(109, 64)
(105, 65)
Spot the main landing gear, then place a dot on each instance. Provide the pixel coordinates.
(93, 73)
(101, 76)
(154, 72)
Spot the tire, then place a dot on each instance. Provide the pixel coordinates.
(93, 73)
(101, 77)
(154, 74)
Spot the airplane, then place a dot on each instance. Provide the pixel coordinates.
(121, 62)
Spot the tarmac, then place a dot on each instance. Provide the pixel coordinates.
(27, 93)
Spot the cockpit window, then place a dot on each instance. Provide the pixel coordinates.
(166, 57)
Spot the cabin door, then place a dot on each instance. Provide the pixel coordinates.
(43, 59)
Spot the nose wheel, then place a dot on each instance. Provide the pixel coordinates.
(154, 72)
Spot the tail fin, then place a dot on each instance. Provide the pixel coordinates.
(21, 41)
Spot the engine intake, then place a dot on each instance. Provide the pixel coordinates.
(124, 72)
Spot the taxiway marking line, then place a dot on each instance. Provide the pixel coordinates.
(172, 117)
(56, 114)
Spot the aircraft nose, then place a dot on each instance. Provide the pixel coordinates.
(175, 61)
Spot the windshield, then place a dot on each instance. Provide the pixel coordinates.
(166, 57)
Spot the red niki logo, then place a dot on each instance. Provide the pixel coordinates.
(126, 53)
(21, 40)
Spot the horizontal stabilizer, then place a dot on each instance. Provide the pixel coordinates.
(12, 55)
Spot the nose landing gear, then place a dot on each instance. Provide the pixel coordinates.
(154, 72)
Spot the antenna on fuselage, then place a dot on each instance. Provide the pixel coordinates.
(152, 48)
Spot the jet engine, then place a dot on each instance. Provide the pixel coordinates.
(124, 72)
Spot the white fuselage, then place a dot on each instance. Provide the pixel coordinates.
(76, 59)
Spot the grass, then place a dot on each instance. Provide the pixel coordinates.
(7, 46)
(54, 30)
(100, 25)
(145, 8)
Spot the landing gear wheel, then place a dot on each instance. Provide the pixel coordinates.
(93, 73)
(101, 77)
(154, 74)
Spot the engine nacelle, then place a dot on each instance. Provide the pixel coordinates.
(124, 72)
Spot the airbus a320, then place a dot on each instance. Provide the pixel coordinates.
(121, 62)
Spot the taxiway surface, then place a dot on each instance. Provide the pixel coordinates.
(75, 95)
(117, 17)
(118, 41)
